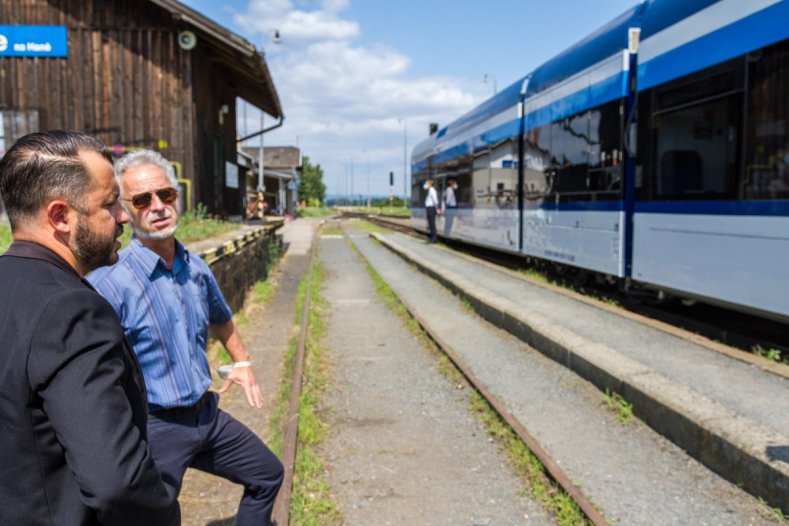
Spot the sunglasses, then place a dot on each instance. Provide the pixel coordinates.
(143, 200)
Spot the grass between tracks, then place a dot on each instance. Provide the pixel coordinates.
(527, 466)
(366, 226)
(311, 501)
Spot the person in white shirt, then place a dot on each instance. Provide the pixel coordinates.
(431, 208)
(450, 199)
(448, 203)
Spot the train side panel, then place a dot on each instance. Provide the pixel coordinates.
(738, 260)
(589, 239)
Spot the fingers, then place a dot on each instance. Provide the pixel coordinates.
(246, 379)
(254, 396)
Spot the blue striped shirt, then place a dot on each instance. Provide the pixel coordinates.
(165, 314)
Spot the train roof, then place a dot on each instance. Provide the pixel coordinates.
(651, 15)
(598, 46)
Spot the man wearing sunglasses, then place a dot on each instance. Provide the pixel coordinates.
(167, 300)
(73, 410)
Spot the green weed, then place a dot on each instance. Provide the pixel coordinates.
(774, 355)
(366, 226)
(528, 466)
(534, 275)
(311, 501)
(5, 238)
(331, 231)
(379, 210)
(620, 406)
(316, 211)
(263, 291)
(769, 512)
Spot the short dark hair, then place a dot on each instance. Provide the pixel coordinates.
(45, 165)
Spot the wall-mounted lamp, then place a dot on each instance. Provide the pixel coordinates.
(224, 109)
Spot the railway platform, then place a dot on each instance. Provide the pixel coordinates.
(728, 413)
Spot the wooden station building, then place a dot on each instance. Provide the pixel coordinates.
(137, 74)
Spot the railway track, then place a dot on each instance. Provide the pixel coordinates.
(579, 488)
(745, 332)
(281, 513)
(516, 384)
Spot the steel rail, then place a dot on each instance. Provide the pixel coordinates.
(554, 472)
(281, 513)
(552, 468)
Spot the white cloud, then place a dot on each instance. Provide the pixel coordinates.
(300, 26)
(346, 103)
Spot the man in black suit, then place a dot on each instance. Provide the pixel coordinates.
(72, 400)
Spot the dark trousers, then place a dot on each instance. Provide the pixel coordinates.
(211, 440)
(431, 222)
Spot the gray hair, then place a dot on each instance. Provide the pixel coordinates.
(142, 158)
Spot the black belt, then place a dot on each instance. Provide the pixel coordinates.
(174, 412)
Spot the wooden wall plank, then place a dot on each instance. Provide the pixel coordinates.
(125, 71)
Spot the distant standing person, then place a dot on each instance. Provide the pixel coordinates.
(450, 203)
(431, 208)
(167, 300)
(450, 197)
(73, 410)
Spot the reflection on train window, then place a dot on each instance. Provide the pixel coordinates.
(495, 176)
(605, 157)
(537, 174)
(767, 150)
(569, 146)
(696, 134)
(585, 154)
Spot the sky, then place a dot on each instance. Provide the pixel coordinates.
(360, 80)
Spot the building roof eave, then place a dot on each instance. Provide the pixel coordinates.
(247, 68)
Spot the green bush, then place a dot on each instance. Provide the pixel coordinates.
(313, 211)
(192, 226)
(5, 237)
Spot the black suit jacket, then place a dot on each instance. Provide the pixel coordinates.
(73, 445)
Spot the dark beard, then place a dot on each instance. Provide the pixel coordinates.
(91, 249)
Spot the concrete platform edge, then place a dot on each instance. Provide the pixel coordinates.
(724, 442)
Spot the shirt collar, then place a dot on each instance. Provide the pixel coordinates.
(31, 250)
(150, 260)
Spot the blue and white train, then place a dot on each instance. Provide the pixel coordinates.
(655, 151)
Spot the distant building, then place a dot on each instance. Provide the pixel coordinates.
(281, 168)
(137, 74)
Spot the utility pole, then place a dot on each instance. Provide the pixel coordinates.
(405, 160)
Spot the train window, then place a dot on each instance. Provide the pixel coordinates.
(536, 163)
(495, 177)
(696, 135)
(767, 146)
(570, 144)
(695, 152)
(690, 90)
(605, 158)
